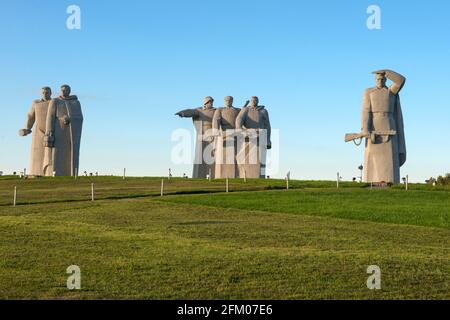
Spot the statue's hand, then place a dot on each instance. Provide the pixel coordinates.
(269, 145)
(66, 120)
(24, 132)
(49, 141)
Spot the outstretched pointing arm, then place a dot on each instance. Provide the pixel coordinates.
(187, 113)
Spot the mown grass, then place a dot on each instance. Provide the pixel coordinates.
(423, 208)
(308, 243)
(148, 249)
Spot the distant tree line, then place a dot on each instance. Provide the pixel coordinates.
(441, 180)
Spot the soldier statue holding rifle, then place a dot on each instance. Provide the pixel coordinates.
(382, 127)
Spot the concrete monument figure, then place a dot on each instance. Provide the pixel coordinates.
(37, 117)
(254, 122)
(382, 127)
(224, 125)
(204, 158)
(63, 135)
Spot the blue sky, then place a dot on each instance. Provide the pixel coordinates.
(135, 63)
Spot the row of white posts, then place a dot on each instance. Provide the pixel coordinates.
(227, 187)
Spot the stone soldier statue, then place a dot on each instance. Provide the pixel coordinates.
(251, 158)
(224, 125)
(37, 117)
(63, 135)
(204, 148)
(382, 126)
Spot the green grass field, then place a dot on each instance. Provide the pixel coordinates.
(259, 241)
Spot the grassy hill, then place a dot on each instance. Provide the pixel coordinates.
(197, 242)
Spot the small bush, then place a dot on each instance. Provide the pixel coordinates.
(443, 180)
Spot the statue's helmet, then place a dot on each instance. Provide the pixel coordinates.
(207, 100)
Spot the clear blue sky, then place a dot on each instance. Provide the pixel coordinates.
(135, 63)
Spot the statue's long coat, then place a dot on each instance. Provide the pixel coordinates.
(63, 159)
(204, 163)
(36, 121)
(382, 111)
(224, 122)
(251, 157)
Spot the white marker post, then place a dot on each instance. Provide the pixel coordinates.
(245, 176)
(227, 189)
(162, 187)
(407, 182)
(92, 192)
(288, 177)
(209, 176)
(337, 181)
(15, 197)
(124, 173)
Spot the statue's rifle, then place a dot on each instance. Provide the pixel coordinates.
(372, 136)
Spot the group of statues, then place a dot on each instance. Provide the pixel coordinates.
(230, 142)
(55, 146)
